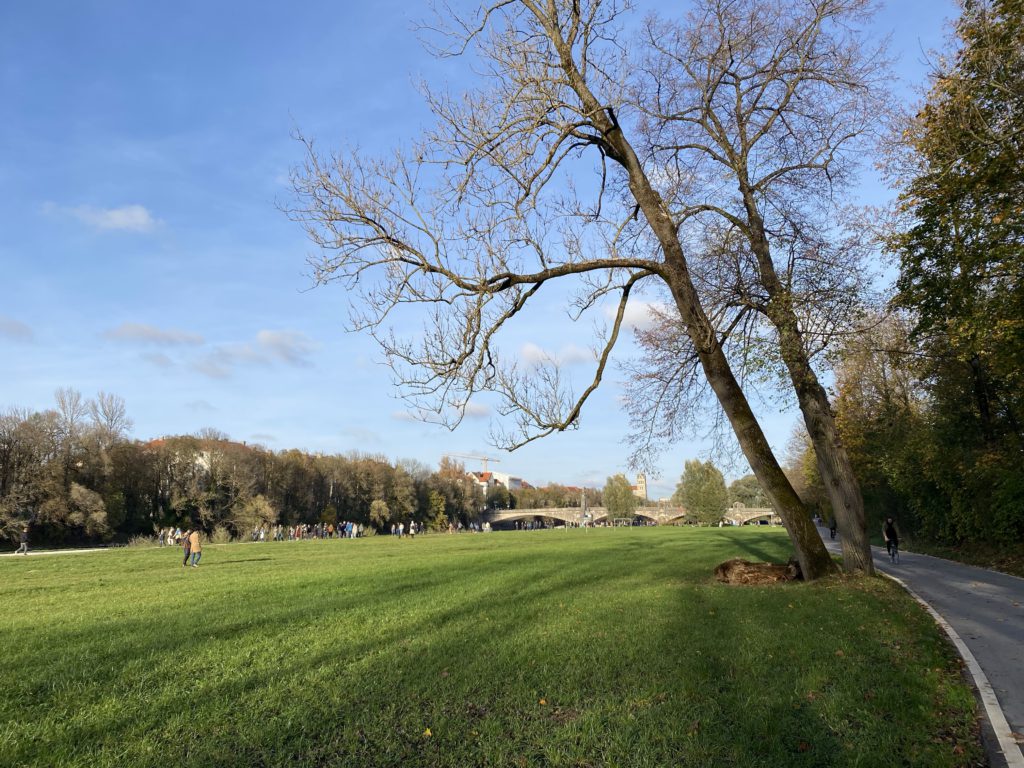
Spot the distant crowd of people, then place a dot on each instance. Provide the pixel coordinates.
(347, 529)
(344, 530)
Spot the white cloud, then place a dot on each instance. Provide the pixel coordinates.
(262, 437)
(15, 329)
(128, 218)
(200, 406)
(638, 315)
(403, 416)
(570, 354)
(477, 410)
(531, 354)
(149, 334)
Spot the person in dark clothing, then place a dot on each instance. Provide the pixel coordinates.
(188, 548)
(23, 539)
(891, 535)
(832, 529)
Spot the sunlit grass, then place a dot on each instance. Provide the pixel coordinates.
(567, 648)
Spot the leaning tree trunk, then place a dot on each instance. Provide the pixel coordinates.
(833, 461)
(814, 559)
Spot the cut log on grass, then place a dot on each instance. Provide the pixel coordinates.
(739, 571)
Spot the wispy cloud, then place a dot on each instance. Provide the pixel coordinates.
(200, 406)
(127, 218)
(159, 359)
(262, 437)
(15, 329)
(288, 347)
(403, 416)
(570, 354)
(149, 334)
(361, 435)
(212, 367)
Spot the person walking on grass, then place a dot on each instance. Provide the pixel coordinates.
(23, 542)
(196, 546)
(187, 544)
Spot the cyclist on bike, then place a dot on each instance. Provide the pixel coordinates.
(891, 535)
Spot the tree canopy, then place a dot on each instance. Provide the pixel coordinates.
(701, 490)
(618, 497)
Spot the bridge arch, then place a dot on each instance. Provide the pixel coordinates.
(568, 515)
(738, 514)
(578, 516)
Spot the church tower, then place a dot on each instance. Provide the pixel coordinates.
(640, 489)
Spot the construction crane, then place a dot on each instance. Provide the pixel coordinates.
(478, 457)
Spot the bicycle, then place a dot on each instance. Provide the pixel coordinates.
(894, 551)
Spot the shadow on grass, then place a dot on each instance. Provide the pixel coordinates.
(542, 656)
(761, 550)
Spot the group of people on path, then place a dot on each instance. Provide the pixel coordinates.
(171, 537)
(399, 530)
(346, 529)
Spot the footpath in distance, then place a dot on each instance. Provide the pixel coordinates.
(986, 610)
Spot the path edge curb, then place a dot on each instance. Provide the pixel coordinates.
(1010, 749)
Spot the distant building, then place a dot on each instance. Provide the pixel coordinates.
(640, 489)
(487, 480)
(484, 480)
(511, 483)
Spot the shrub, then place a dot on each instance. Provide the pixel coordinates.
(220, 535)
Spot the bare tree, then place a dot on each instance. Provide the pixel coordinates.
(759, 110)
(110, 418)
(72, 410)
(545, 172)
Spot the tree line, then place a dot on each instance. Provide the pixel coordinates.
(929, 394)
(75, 476)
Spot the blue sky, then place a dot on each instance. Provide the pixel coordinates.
(143, 149)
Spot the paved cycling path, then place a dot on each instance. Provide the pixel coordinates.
(986, 609)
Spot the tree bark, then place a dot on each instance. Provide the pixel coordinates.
(833, 461)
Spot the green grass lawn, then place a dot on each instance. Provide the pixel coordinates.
(562, 648)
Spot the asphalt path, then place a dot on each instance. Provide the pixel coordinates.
(986, 610)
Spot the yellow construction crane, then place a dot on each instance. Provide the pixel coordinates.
(478, 457)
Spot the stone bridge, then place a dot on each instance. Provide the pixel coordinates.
(738, 514)
(577, 516)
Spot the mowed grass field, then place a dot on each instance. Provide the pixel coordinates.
(561, 648)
